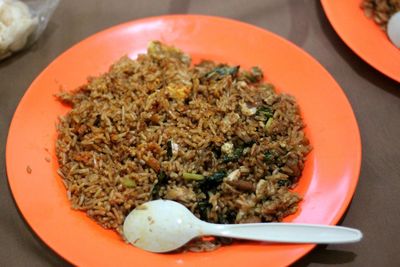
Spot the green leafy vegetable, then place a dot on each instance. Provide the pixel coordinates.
(229, 217)
(284, 182)
(257, 72)
(249, 143)
(217, 177)
(169, 149)
(211, 182)
(222, 71)
(265, 112)
(237, 153)
(162, 180)
(269, 157)
(254, 75)
(203, 207)
(216, 151)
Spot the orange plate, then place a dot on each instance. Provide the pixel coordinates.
(329, 178)
(363, 36)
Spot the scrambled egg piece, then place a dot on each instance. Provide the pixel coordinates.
(227, 148)
(178, 91)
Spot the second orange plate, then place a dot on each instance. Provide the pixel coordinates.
(363, 36)
(327, 184)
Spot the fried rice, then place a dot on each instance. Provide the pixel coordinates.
(213, 137)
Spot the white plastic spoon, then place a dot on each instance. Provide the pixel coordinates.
(164, 225)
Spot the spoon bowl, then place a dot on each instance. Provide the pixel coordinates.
(160, 226)
(165, 225)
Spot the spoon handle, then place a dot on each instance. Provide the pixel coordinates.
(286, 232)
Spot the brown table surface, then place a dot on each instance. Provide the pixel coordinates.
(374, 97)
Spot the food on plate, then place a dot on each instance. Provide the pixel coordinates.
(213, 137)
(16, 25)
(380, 10)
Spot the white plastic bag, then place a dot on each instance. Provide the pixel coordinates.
(22, 22)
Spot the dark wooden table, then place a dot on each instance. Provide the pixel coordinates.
(374, 97)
